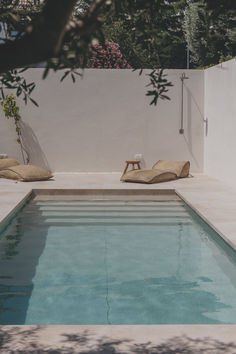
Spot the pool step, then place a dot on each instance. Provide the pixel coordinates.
(122, 209)
(107, 203)
(88, 220)
(61, 223)
(112, 214)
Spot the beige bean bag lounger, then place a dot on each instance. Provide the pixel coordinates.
(5, 163)
(162, 171)
(25, 173)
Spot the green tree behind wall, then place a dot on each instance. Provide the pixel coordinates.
(165, 48)
(210, 30)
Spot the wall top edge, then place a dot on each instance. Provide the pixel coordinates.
(227, 63)
(125, 70)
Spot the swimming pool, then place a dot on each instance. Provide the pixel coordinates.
(114, 262)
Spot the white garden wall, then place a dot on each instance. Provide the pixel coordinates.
(220, 109)
(105, 118)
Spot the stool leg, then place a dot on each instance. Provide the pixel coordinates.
(133, 168)
(138, 165)
(126, 168)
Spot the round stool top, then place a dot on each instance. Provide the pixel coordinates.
(132, 161)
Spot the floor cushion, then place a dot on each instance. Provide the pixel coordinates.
(181, 168)
(5, 163)
(26, 173)
(148, 176)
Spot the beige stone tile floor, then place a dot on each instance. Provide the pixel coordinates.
(211, 199)
(155, 339)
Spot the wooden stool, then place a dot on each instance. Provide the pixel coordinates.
(132, 162)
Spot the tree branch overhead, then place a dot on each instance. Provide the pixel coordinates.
(43, 40)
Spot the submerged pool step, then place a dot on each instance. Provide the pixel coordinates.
(105, 221)
(119, 220)
(103, 215)
(61, 223)
(107, 203)
(70, 221)
(112, 214)
(122, 209)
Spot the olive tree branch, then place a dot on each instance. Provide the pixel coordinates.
(42, 39)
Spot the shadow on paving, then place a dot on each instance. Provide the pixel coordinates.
(20, 340)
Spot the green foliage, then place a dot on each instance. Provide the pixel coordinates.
(11, 110)
(149, 33)
(149, 24)
(14, 20)
(210, 30)
(13, 80)
(226, 58)
(160, 86)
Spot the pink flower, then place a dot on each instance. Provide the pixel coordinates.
(109, 57)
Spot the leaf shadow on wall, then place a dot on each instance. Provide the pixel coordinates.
(32, 145)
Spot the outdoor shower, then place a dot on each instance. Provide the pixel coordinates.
(182, 78)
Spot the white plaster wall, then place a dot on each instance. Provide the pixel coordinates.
(220, 109)
(105, 118)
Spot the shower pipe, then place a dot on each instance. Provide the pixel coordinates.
(182, 78)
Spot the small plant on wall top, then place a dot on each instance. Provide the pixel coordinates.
(11, 110)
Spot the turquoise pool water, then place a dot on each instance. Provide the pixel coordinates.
(114, 262)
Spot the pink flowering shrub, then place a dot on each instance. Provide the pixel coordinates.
(109, 57)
